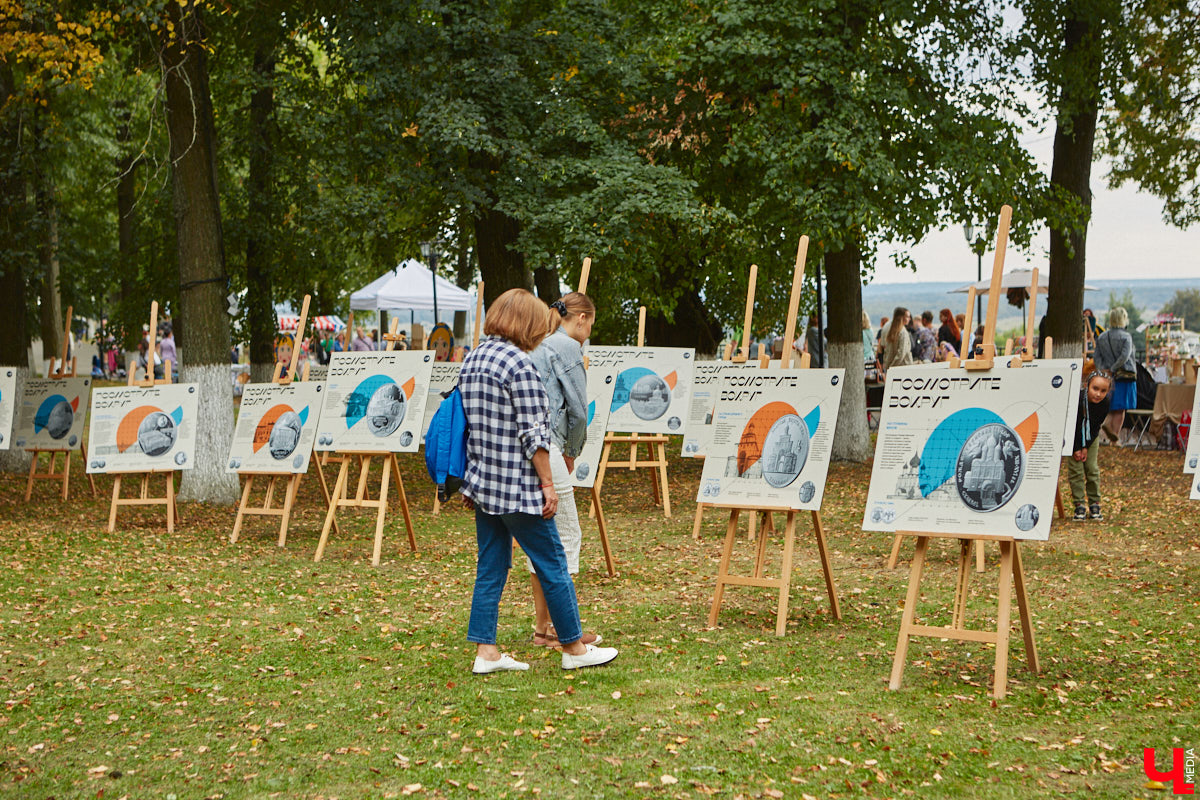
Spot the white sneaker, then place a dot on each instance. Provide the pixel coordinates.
(593, 657)
(505, 661)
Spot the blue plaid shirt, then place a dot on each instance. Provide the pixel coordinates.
(507, 420)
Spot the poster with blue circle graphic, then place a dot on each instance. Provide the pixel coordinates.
(276, 428)
(52, 413)
(375, 401)
(652, 389)
(143, 428)
(974, 453)
(600, 384)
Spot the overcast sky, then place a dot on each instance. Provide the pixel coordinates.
(1127, 238)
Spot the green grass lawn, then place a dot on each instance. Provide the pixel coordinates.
(141, 664)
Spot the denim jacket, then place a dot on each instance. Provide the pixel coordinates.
(559, 361)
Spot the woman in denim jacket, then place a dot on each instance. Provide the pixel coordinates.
(559, 362)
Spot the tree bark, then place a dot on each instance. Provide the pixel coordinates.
(205, 341)
(51, 316)
(693, 327)
(1074, 140)
(14, 343)
(851, 439)
(548, 287)
(127, 230)
(261, 222)
(463, 276)
(501, 265)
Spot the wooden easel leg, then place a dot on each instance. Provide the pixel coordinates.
(662, 468)
(600, 470)
(752, 527)
(412, 539)
(697, 521)
(1058, 502)
(112, 510)
(608, 559)
(170, 502)
(339, 488)
(723, 570)
(760, 556)
(895, 554)
(33, 465)
(1031, 653)
(289, 500)
(381, 514)
(91, 478)
(960, 588)
(242, 506)
(437, 504)
(979, 564)
(66, 474)
(1003, 620)
(785, 576)
(826, 566)
(910, 606)
(325, 494)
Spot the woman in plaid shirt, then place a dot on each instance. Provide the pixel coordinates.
(509, 484)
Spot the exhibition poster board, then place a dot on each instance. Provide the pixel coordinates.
(706, 386)
(375, 401)
(600, 384)
(143, 429)
(442, 379)
(652, 389)
(276, 428)
(52, 413)
(8, 397)
(772, 439)
(969, 453)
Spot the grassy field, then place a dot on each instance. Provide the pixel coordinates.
(139, 664)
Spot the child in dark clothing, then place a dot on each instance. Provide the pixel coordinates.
(1083, 470)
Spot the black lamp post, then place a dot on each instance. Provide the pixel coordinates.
(430, 254)
(969, 232)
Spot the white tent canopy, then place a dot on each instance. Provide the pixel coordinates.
(410, 287)
(1014, 279)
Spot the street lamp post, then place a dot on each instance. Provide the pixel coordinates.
(429, 252)
(969, 232)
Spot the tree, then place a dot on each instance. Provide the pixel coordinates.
(1185, 304)
(205, 339)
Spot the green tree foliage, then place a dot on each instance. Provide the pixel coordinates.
(1185, 304)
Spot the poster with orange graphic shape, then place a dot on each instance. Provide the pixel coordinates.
(772, 438)
(8, 388)
(973, 453)
(143, 429)
(653, 387)
(52, 412)
(375, 401)
(276, 428)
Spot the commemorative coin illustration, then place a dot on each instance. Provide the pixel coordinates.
(989, 467)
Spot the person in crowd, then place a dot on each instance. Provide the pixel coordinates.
(927, 337)
(1114, 354)
(510, 485)
(897, 344)
(950, 330)
(374, 340)
(167, 350)
(815, 343)
(1083, 470)
(913, 339)
(976, 338)
(883, 321)
(559, 362)
(362, 342)
(871, 366)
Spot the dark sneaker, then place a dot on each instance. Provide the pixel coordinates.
(1080, 512)
(1096, 511)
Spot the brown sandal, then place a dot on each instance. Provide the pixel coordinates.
(550, 639)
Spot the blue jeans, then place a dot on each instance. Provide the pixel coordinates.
(539, 539)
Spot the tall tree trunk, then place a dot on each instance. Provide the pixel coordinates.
(693, 327)
(1074, 138)
(501, 265)
(851, 440)
(261, 205)
(205, 341)
(546, 280)
(127, 164)
(464, 274)
(50, 297)
(14, 343)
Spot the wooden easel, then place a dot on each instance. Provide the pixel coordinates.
(290, 480)
(740, 357)
(1011, 572)
(656, 443)
(783, 582)
(143, 497)
(364, 458)
(53, 473)
(437, 504)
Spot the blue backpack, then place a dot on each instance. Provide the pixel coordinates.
(446, 445)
